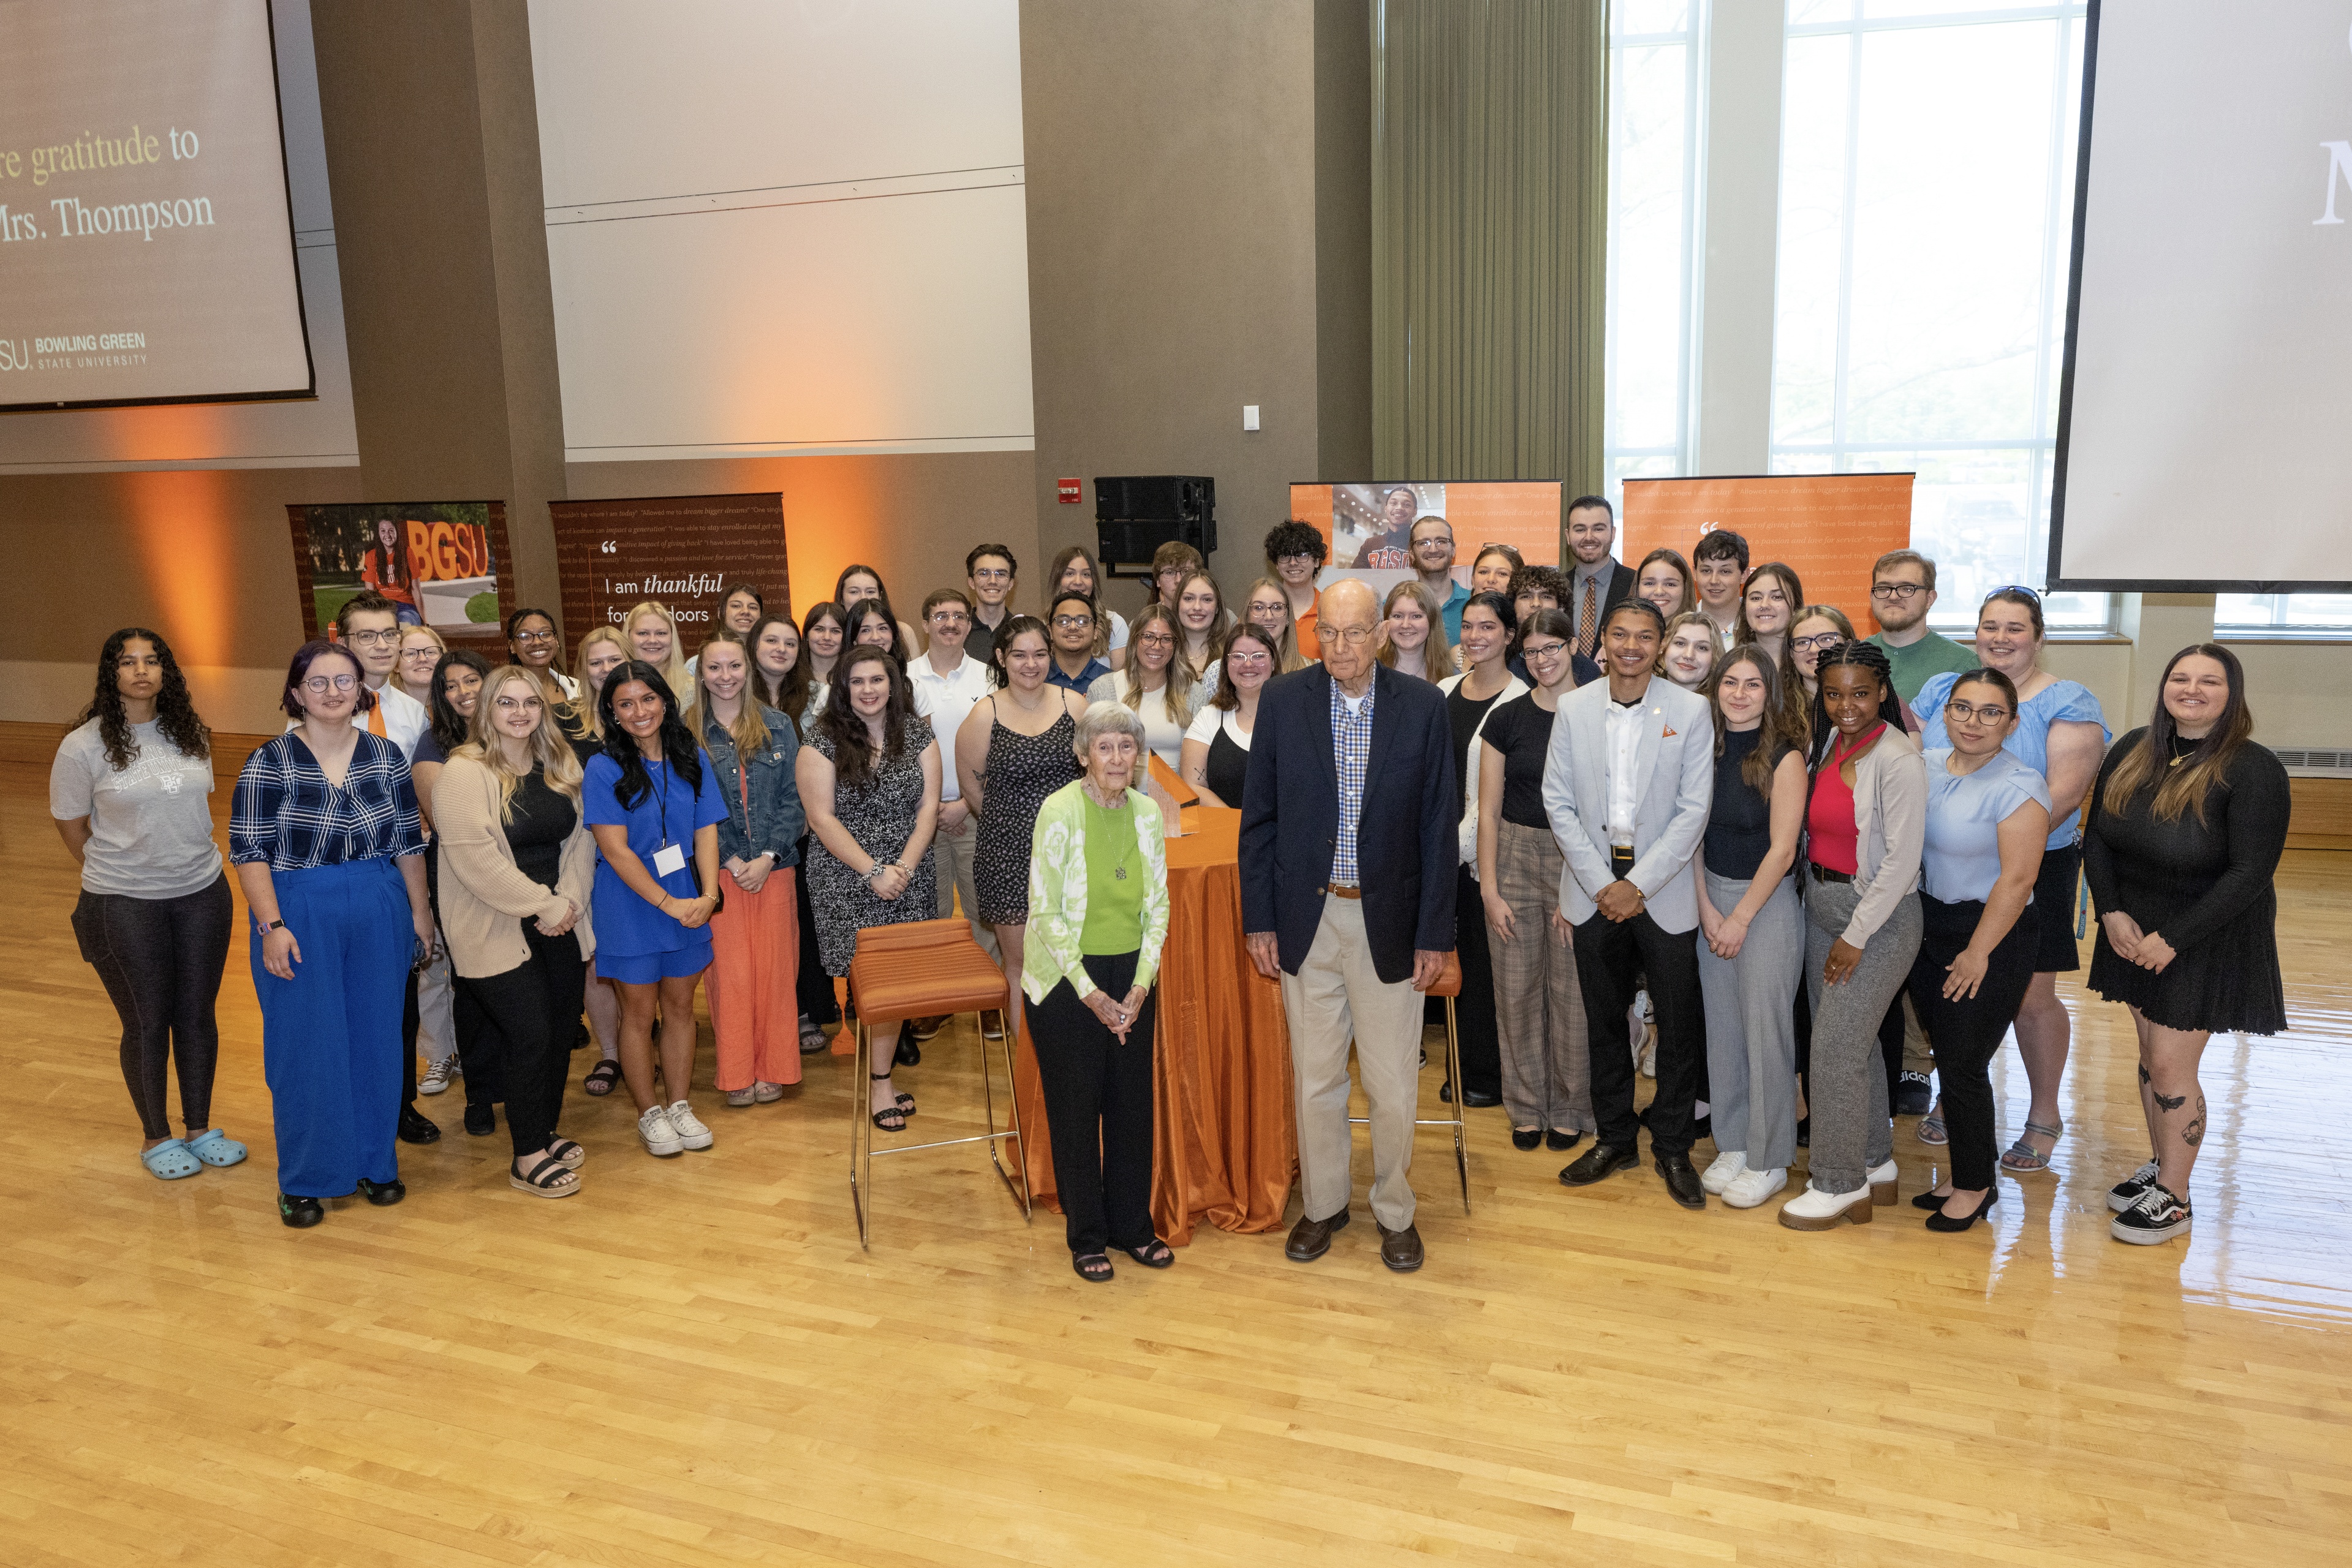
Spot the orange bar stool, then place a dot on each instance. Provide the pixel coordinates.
(1448, 985)
(922, 970)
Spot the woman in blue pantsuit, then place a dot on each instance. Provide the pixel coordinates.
(328, 846)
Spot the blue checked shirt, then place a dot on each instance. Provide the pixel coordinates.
(1351, 745)
(284, 811)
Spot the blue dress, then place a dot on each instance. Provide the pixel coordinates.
(2059, 701)
(627, 926)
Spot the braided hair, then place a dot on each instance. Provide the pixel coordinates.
(1862, 656)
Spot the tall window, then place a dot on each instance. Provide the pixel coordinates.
(1927, 204)
(1653, 98)
(2325, 615)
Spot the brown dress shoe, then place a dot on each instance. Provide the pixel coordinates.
(1400, 1250)
(1310, 1238)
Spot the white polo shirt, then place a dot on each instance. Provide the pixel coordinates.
(945, 700)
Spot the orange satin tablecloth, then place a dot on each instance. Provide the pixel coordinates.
(1224, 1142)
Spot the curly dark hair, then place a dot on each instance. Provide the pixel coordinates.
(853, 754)
(1540, 579)
(1013, 626)
(452, 729)
(175, 714)
(1291, 537)
(1861, 655)
(678, 746)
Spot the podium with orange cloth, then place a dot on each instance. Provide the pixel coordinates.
(1224, 1140)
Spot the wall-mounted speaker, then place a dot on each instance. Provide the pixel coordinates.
(1135, 515)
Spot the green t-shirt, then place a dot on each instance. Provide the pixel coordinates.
(1934, 655)
(1115, 873)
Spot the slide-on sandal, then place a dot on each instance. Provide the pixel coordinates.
(1092, 1267)
(601, 1079)
(170, 1160)
(572, 1155)
(216, 1148)
(1933, 1132)
(2024, 1158)
(1153, 1254)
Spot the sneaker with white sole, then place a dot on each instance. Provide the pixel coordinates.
(1724, 1171)
(691, 1132)
(661, 1138)
(2154, 1216)
(435, 1080)
(1749, 1188)
(2127, 1192)
(1882, 1183)
(1813, 1209)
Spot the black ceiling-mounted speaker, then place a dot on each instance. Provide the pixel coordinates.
(1135, 515)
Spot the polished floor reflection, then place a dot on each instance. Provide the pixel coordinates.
(692, 1363)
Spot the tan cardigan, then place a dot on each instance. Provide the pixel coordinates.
(484, 898)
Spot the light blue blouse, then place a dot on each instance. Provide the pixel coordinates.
(2059, 701)
(1961, 858)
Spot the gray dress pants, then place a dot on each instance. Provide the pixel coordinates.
(1751, 1026)
(1846, 1088)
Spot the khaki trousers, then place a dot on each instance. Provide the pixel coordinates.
(1336, 996)
(952, 855)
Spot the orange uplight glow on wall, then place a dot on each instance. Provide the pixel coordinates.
(186, 554)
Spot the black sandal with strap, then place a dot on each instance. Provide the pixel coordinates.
(551, 1178)
(1092, 1267)
(601, 1078)
(1153, 1254)
(898, 1111)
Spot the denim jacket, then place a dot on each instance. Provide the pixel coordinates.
(773, 822)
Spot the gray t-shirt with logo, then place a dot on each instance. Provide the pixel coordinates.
(151, 825)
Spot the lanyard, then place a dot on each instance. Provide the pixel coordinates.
(663, 797)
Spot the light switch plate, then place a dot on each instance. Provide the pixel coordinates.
(1249, 416)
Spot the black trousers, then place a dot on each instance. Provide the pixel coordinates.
(1477, 1029)
(1610, 957)
(1093, 1082)
(525, 1045)
(1968, 1032)
(814, 986)
(160, 960)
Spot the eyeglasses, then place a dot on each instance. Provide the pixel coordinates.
(422, 650)
(1073, 622)
(1899, 592)
(1545, 650)
(1819, 642)
(534, 636)
(1354, 636)
(375, 638)
(1966, 713)
(320, 685)
(1445, 539)
(1155, 640)
(992, 574)
(949, 618)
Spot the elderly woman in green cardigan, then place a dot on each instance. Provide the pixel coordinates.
(1098, 915)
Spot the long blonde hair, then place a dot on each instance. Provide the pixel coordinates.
(583, 707)
(673, 669)
(1181, 665)
(1287, 657)
(1437, 653)
(1178, 694)
(549, 747)
(750, 731)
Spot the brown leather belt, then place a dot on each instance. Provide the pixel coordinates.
(1825, 873)
(1346, 890)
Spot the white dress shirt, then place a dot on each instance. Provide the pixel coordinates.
(945, 700)
(1624, 722)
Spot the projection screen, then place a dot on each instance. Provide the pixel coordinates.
(2205, 417)
(146, 244)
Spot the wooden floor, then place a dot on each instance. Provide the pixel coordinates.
(692, 1363)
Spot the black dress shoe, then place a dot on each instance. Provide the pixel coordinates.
(1558, 1142)
(1445, 1092)
(1526, 1137)
(1682, 1181)
(1940, 1221)
(482, 1121)
(1477, 1098)
(909, 1053)
(299, 1213)
(1310, 1238)
(1400, 1250)
(1599, 1163)
(416, 1129)
(383, 1193)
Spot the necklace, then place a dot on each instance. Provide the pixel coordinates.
(1118, 871)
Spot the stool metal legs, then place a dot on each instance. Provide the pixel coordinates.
(862, 1152)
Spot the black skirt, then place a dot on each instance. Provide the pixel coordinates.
(2228, 982)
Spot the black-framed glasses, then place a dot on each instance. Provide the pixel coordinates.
(535, 636)
(1545, 650)
(1819, 641)
(1897, 592)
(1966, 712)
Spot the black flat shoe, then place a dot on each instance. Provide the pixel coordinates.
(1558, 1142)
(416, 1129)
(909, 1053)
(1805, 1133)
(1946, 1223)
(1445, 1092)
(482, 1121)
(383, 1193)
(299, 1213)
(1478, 1098)
(1526, 1137)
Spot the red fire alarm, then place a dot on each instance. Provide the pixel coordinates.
(1070, 491)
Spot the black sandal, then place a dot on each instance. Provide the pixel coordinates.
(601, 1079)
(899, 1111)
(549, 1178)
(1153, 1254)
(1094, 1268)
(572, 1155)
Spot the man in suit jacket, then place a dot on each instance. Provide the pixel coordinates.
(1596, 582)
(1628, 783)
(1348, 849)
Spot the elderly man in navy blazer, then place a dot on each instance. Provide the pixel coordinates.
(1348, 849)
(1628, 783)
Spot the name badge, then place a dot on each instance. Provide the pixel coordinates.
(669, 860)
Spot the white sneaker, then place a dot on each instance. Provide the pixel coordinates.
(691, 1132)
(434, 1078)
(661, 1138)
(1724, 1171)
(1751, 1187)
(1881, 1183)
(1813, 1209)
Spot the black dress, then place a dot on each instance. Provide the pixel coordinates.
(1022, 770)
(2205, 887)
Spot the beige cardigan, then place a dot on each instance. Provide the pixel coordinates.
(484, 898)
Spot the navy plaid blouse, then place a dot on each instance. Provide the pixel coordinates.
(284, 811)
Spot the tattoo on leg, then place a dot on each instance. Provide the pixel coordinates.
(2194, 1133)
(2168, 1102)
(2143, 1072)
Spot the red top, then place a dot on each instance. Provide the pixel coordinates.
(1830, 826)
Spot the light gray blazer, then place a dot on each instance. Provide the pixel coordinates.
(1674, 788)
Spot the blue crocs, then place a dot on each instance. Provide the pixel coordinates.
(215, 1147)
(170, 1160)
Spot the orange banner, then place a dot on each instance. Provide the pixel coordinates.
(1830, 528)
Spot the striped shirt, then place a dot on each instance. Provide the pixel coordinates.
(1351, 745)
(286, 813)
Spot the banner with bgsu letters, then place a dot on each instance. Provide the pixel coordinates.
(443, 564)
(680, 552)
